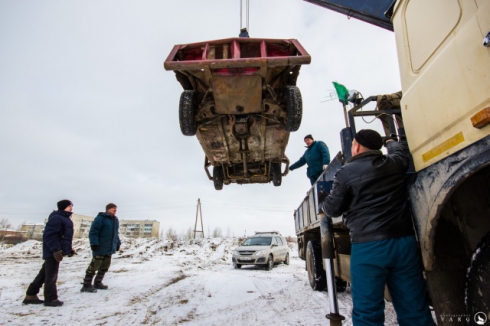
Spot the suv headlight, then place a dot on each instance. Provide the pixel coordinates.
(260, 253)
(235, 252)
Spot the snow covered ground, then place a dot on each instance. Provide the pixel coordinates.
(160, 282)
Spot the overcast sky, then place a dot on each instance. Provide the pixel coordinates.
(89, 114)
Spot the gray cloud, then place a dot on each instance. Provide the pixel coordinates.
(88, 112)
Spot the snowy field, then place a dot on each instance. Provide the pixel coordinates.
(160, 282)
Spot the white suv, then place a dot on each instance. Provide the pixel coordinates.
(264, 249)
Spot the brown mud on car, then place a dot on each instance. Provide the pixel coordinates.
(241, 101)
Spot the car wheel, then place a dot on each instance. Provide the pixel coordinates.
(218, 177)
(187, 109)
(270, 263)
(276, 174)
(294, 108)
(478, 280)
(286, 261)
(314, 266)
(237, 266)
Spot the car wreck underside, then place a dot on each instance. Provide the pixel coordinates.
(241, 101)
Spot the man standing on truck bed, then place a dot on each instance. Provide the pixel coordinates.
(316, 156)
(369, 190)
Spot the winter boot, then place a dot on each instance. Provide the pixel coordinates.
(87, 284)
(88, 288)
(32, 299)
(100, 286)
(54, 303)
(98, 282)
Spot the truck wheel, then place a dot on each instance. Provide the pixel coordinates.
(270, 263)
(478, 280)
(314, 266)
(276, 174)
(286, 261)
(218, 177)
(294, 108)
(187, 109)
(340, 284)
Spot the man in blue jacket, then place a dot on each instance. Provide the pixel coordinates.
(104, 242)
(57, 241)
(316, 156)
(369, 192)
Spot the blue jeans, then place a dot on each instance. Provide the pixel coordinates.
(396, 263)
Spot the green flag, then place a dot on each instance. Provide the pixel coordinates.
(342, 92)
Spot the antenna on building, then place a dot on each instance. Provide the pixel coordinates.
(198, 213)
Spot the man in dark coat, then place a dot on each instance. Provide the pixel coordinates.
(316, 156)
(369, 192)
(104, 242)
(57, 241)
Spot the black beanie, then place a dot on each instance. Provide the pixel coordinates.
(369, 138)
(62, 204)
(308, 136)
(109, 206)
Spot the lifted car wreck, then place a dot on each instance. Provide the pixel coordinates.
(241, 101)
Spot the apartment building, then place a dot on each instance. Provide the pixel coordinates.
(81, 225)
(139, 228)
(32, 230)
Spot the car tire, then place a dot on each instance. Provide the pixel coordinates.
(270, 263)
(314, 266)
(187, 110)
(276, 174)
(237, 266)
(478, 280)
(286, 261)
(294, 108)
(218, 177)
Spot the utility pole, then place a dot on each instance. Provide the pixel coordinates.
(198, 213)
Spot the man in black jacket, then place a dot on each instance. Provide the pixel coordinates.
(369, 191)
(57, 241)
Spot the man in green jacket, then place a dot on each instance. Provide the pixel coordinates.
(316, 156)
(104, 242)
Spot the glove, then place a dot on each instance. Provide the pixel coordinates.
(324, 166)
(118, 247)
(94, 247)
(72, 252)
(321, 196)
(58, 255)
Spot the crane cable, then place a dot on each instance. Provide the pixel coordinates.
(247, 6)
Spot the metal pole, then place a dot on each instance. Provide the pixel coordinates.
(328, 255)
(345, 116)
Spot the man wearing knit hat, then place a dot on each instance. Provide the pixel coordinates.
(369, 192)
(316, 156)
(57, 241)
(104, 242)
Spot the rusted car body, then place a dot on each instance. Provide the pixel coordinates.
(241, 101)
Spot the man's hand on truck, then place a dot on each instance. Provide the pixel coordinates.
(322, 195)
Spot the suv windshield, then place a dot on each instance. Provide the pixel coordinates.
(259, 241)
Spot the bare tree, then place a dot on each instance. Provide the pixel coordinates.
(20, 226)
(228, 232)
(217, 232)
(5, 223)
(171, 234)
(189, 233)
